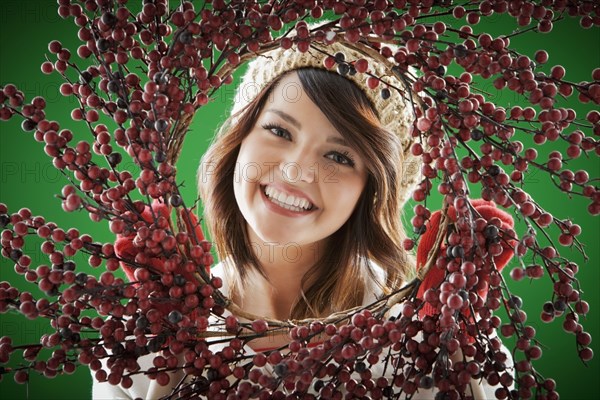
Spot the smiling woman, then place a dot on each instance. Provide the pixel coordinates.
(316, 134)
(335, 181)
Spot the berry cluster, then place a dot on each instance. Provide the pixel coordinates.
(151, 70)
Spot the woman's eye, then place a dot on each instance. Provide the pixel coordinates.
(344, 159)
(277, 131)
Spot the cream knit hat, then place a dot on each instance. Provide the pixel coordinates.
(395, 112)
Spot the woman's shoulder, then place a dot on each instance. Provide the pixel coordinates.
(375, 283)
(379, 272)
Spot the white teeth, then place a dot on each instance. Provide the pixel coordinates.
(288, 202)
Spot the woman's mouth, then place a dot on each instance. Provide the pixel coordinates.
(287, 201)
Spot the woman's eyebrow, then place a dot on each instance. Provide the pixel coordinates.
(287, 117)
(338, 140)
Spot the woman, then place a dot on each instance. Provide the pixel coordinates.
(303, 189)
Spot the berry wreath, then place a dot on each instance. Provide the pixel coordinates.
(530, 95)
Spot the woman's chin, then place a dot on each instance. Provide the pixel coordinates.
(275, 237)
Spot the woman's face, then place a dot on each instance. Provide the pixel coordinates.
(296, 180)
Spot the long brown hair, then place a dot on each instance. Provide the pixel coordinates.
(372, 234)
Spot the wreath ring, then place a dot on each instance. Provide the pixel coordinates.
(495, 134)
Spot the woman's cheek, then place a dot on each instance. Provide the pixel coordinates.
(344, 193)
(249, 165)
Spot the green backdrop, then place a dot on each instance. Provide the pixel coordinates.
(27, 179)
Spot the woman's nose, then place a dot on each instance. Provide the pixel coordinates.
(292, 172)
(298, 166)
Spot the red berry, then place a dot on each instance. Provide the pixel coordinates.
(586, 354)
(361, 65)
(372, 82)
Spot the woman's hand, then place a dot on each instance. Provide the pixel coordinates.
(435, 276)
(142, 252)
(127, 249)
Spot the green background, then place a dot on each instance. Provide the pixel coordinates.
(27, 179)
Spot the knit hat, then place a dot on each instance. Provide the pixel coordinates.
(395, 112)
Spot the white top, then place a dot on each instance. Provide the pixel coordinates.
(149, 389)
